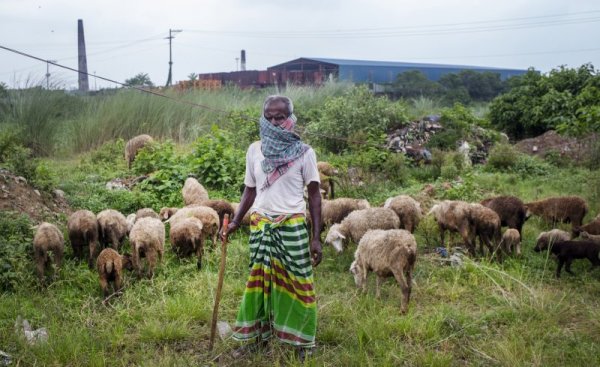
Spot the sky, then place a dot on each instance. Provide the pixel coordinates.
(124, 38)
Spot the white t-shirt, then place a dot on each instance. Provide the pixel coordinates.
(286, 194)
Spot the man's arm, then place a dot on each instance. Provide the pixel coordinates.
(314, 207)
(245, 203)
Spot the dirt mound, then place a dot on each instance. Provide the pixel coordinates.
(551, 141)
(18, 196)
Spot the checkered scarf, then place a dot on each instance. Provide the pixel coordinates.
(281, 146)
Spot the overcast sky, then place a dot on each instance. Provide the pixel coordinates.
(124, 38)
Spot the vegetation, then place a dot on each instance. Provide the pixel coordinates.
(483, 313)
(140, 80)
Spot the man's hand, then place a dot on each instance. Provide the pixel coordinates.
(231, 227)
(315, 251)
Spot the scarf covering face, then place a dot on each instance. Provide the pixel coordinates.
(281, 146)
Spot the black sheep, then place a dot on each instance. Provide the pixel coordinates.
(567, 251)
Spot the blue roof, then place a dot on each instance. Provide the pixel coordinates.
(344, 62)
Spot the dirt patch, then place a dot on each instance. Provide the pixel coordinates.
(574, 148)
(18, 196)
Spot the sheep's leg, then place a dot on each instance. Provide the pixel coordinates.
(568, 266)
(58, 256)
(92, 254)
(151, 258)
(199, 250)
(40, 264)
(104, 286)
(405, 287)
(135, 259)
(378, 283)
(118, 281)
(561, 262)
(442, 232)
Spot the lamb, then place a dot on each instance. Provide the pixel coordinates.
(407, 209)
(110, 267)
(147, 239)
(357, 223)
(544, 239)
(112, 227)
(510, 209)
(186, 238)
(567, 251)
(83, 232)
(326, 172)
(485, 224)
(453, 216)
(47, 238)
(592, 227)
(511, 242)
(386, 253)
(590, 237)
(208, 217)
(560, 209)
(193, 192)
(134, 145)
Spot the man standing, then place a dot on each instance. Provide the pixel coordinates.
(279, 298)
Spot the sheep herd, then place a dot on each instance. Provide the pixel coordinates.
(384, 235)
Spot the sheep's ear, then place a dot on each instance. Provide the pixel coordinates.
(340, 235)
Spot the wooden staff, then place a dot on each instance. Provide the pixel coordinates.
(213, 326)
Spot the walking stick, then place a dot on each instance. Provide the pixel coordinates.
(213, 326)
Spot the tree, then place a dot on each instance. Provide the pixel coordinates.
(139, 80)
(414, 83)
(193, 76)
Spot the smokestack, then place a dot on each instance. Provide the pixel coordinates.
(243, 64)
(83, 77)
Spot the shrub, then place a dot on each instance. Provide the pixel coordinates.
(502, 157)
(44, 179)
(15, 251)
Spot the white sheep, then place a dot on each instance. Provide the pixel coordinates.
(511, 242)
(407, 209)
(193, 192)
(112, 228)
(386, 253)
(357, 223)
(147, 239)
(186, 238)
(47, 238)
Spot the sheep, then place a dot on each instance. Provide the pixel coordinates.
(453, 216)
(222, 207)
(357, 223)
(334, 211)
(83, 232)
(554, 235)
(326, 172)
(590, 237)
(146, 212)
(485, 224)
(166, 213)
(47, 238)
(560, 209)
(186, 237)
(510, 209)
(407, 209)
(592, 227)
(511, 242)
(567, 251)
(193, 192)
(208, 217)
(386, 253)
(147, 239)
(112, 228)
(134, 145)
(110, 267)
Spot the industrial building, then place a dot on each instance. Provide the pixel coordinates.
(316, 71)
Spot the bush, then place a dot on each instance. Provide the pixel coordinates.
(502, 157)
(15, 251)
(14, 156)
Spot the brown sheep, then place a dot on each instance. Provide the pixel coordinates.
(83, 232)
(193, 192)
(222, 207)
(146, 212)
(147, 239)
(567, 251)
(590, 237)
(208, 217)
(453, 216)
(47, 238)
(407, 209)
(134, 145)
(166, 213)
(186, 238)
(565, 209)
(386, 253)
(485, 224)
(326, 172)
(592, 227)
(110, 267)
(510, 209)
(112, 228)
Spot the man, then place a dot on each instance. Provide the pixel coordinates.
(279, 298)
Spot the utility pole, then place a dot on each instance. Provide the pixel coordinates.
(48, 72)
(236, 64)
(170, 38)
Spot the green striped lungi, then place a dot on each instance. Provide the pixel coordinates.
(279, 297)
